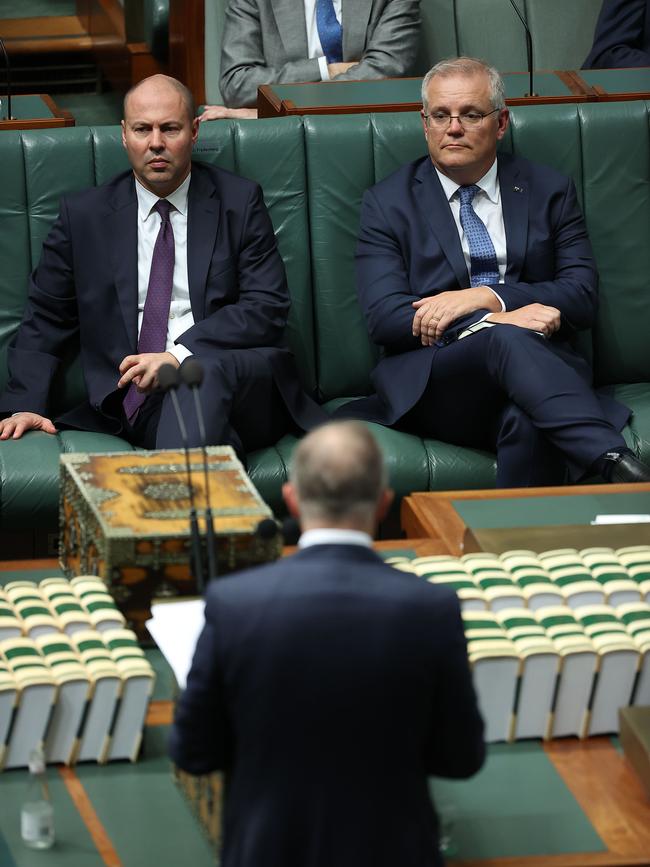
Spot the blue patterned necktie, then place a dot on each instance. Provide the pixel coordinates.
(155, 318)
(330, 31)
(483, 259)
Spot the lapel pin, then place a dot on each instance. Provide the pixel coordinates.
(517, 189)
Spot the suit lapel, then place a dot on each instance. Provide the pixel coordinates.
(515, 203)
(436, 211)
(290, 18)
(203, 213)
(354, 19)
(122, 236)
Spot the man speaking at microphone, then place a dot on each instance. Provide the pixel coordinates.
(170, 260)
(327, 686)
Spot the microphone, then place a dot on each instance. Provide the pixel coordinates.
(191, 373)
(268, 529)
(8, 67)
(169, 379)
(529, 48)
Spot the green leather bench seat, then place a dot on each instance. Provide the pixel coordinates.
(313, 171)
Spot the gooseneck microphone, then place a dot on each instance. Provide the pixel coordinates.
(529, 48)
(191, 373)
(169, 379)
(8, 68)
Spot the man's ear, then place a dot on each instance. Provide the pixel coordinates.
(123, 125)
(291, 500)
(384, 504)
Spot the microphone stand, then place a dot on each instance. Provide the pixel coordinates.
(529, 48)
(169, 380)
(191, 374)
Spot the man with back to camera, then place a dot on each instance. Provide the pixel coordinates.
(276, 41)
(328, 685)
(622, 36)
(474, 272)
(169, 260)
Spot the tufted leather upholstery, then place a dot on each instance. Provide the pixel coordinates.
(313, 172)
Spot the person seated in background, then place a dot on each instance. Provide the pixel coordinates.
(328, 685)
(475, 273)
(171, 259)
(622, 36)
(268, 42)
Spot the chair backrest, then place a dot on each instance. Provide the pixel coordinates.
(313, 172)
(562, 32)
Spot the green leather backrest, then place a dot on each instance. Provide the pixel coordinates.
(155, 19)
(37, 167)
(603, 147)
(314, 172)
(562, 32)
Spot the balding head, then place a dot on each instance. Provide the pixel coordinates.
(157, 84)
(338, 477)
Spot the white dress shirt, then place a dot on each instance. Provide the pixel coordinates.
(314, 48)
(180, 310)
(334, 536)
(487, 205)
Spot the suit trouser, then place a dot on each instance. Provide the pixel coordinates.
(241, 405)
(509, 389)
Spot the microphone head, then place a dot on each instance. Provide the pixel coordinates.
(168, 377)
(191, 372)
(267, 529)
(290, 531)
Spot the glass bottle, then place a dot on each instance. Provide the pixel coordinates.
(37, 814)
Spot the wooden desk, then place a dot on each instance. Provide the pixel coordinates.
(434, 514)
(36, 111)
(403, 94)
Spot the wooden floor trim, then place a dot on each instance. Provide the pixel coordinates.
(160, 713)
(90, 818)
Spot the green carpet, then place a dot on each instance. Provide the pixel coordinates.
(516, 805)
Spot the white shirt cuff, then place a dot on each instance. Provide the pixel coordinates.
(322, 65)
(179, 352)
(503, 306)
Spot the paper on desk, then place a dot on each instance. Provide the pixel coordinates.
(621, 519)
(175, 627)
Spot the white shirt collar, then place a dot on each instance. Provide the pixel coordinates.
(488, 183)
(147, 199)
(334, 536)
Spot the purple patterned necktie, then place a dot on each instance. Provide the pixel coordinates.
(153, 332)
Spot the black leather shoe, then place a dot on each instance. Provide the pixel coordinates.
(627, 468)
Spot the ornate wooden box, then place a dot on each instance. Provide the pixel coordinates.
(124, 516)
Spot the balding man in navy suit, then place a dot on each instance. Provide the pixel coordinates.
(328, 685)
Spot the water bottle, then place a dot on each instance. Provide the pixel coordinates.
(37, 814)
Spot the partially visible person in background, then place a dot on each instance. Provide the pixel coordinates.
(275, 41)
(622, 36)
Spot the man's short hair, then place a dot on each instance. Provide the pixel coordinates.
(467, 66)
(338, 473)
(186, 94)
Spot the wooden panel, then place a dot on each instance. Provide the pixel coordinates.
(36, 35)
(187, 45)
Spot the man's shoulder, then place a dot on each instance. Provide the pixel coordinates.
(122, 182)
(401, 178)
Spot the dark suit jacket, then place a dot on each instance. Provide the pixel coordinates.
(265, 42)
(409, 248)
(622, 36)
(86, 285)
(327, 686)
